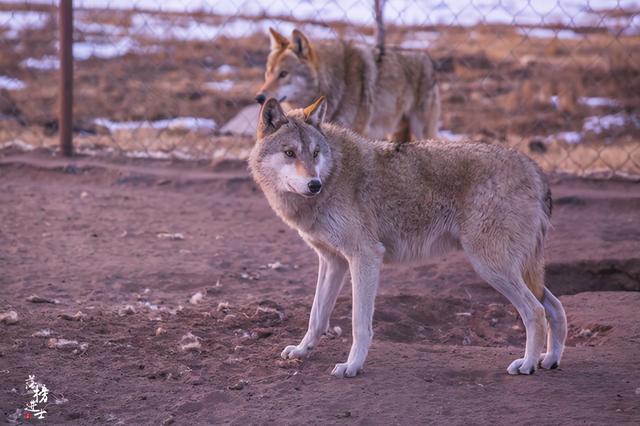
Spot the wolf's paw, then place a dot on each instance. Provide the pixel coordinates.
(520, 367)
(293, 351)
(345, 369)
(549, 361)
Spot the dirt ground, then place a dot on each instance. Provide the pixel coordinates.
(99, 234)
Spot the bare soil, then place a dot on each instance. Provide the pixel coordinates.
(98, 234)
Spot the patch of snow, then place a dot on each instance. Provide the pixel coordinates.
(44, 63)
(108, 49)
(549, 33)
(17, 21)
(222, 85)
(419, 39)
(97, 27)
(10, 83)
(449, 135)
(600, 124)
(572, 138)
(167, 28)
(192, 123)
(598, 102)
(226, 69)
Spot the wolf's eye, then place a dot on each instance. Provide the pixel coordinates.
(315, 153)
(283, 74)
(289, 153)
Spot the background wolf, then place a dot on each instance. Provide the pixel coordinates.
(393, 95)
(359, 203)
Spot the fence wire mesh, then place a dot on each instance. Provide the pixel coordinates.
(557, 79)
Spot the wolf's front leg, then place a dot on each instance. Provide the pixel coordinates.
(365, 274)
(331, 273)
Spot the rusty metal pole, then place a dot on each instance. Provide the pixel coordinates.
(65, 113)
(378, 10)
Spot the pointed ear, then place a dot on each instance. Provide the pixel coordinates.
(278, 41)
(301, 45)
(271, 118)
(314, 113)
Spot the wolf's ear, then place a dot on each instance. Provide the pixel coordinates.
(278, 41)
(271, 118)
(301, 45)
(314, 113)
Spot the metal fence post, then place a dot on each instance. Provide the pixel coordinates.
(66, 77)
(378, 11)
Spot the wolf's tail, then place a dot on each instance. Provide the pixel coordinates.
(533, 271)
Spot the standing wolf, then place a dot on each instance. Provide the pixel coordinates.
(359, 203)
(394, 95)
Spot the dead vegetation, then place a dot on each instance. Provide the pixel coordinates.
(501, 84)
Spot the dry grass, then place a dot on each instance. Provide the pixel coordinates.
(497, 85)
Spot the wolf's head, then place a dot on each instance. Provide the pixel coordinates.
(291, 72)
(291, 154)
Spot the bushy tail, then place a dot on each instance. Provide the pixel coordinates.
(533, 273)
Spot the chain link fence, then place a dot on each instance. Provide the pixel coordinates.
(557, 79)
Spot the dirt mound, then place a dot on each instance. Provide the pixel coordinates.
(175, 289)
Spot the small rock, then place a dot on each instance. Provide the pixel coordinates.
(42, 333)
(269, 310)
(261, 333)
(126, 310)
(65, 344)
(223, 307)
(170, 236)
(239, 386)
(189, 342)
(344, 415)
(9, 318)
(289, 363)
(196, 298)
(168, 421)
(585, 333)
(229, 318)
(78, 316)
(160, 331)
(38, 299)
(84, 194)
(334, 332)
(276, 266)
(149, 305)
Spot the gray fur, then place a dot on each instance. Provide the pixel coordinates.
(384, 202)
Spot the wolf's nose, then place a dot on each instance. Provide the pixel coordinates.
(260, 97)
(315, 186)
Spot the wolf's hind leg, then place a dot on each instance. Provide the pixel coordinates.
(331, 273)
(512, 286)
(557, 330)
